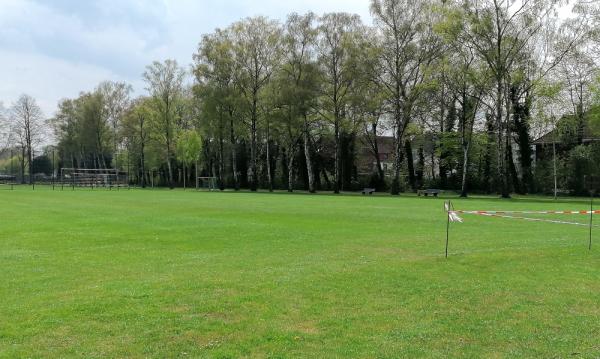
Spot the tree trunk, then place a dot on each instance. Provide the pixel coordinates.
(143, 166)
(253, 150)
(465, 168)
(269, 174)
(142, 155)
(309, 165)
(410, 163)
(169, 165)
(421, 168)
(372, 138)
(395, 190)
(30, 161)
(512, 168)
(337, 164)
(221, 164)
(466, 136)
(487, 167)
(554, 168)
(234, 169)
(501, 166)
(432, 155)
(377, 157)
(23, 165)
(291, 155)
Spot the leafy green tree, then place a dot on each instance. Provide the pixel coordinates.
(165, 85)
(116, 102)
(462, 79)
(135, 130)
(368, 103)
(218, 97)
(189, 146)
(295, 89)
(256, 49)
(337, 42)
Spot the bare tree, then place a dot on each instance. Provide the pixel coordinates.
(27, 122)
(505, 34)
(579, 73)
(409, 46)
(4, 128)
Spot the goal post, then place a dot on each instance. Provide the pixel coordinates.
(206, 183)
(93, 178)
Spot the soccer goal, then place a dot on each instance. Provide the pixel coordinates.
(206, 183)
(93, 178)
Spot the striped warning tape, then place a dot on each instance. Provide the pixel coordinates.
(537, 219)
(524, 212)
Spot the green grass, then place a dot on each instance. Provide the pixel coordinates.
(225, 275)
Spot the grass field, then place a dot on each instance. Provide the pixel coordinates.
(225, 275)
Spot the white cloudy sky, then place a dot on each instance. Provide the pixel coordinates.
(52, 49)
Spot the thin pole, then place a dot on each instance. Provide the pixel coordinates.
(591, 218)
(447, 228)
(554, 162)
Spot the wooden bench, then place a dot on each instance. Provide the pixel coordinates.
(368, 191)
(427, 192)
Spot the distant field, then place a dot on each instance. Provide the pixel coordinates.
(226, 275)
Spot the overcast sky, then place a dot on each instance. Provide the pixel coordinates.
(53, 49)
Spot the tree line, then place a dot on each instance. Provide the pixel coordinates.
(457, 91)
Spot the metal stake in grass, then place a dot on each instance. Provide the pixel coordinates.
(447, 225)
(591, 183)
(591, 218)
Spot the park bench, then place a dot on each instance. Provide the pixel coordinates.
(368, 191)
(427, 192)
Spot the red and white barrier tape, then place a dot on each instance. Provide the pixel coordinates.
(454, 215)
(525, 212)
(537, 219)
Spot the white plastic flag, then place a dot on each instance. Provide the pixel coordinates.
(454, 217)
